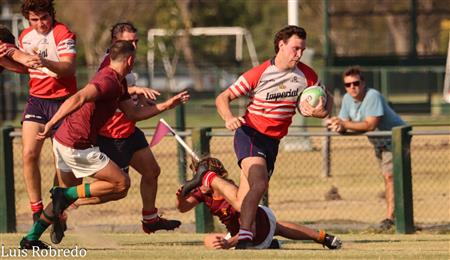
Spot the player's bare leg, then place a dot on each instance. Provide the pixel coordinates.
(144, 162)
(255, 170)
(228, 190)
(32, 175)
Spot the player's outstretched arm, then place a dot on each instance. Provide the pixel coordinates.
(9, 59)
(87, 94)
(146, 92)
(140, 113)
(12, 65)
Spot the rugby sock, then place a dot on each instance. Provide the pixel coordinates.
(39, 227)
(208, 178)
(36, 206)
(150, 216)
(321, 238)
(245, 234)
(80, 191)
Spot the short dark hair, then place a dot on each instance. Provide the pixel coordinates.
(286, 33)
(353, 71)
(37, 6)
(121, 50)
(119, 28)
(6, 36)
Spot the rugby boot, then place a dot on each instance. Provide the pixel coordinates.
(60, 203)
(244, 244)
(30, 244)
(332, 242)
(275, 244)
(196, 180)
(57, 232)
(160, 224)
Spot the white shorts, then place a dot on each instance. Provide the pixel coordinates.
(273, 224)
(82, 163)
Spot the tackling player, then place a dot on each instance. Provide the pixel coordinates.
(225, 206)
(126, 145)
(75, 149)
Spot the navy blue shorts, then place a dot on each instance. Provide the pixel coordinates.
(41, 110)
(121, 150)
(250, 143)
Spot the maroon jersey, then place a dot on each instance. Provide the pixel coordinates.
(79, 129)
(230, 217)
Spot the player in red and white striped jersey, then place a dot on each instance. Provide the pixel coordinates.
(273, 88)
(52, 80)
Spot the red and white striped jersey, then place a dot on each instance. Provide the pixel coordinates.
(57, 43)
(119, 126)
(273, 95)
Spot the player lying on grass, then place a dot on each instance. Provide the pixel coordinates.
(211, 189)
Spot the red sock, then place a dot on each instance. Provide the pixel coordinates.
(36, 206)
(208, 178)
(150, 216)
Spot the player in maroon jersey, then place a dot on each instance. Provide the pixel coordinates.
(75, 142)
(226, 207)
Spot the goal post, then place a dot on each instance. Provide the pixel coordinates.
(242, 36)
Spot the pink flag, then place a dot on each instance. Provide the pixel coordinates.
(161, 131)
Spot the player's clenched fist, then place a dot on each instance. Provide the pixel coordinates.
(234, 123)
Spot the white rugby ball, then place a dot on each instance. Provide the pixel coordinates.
(312, 95)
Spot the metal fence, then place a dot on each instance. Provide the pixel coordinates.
(352, 197)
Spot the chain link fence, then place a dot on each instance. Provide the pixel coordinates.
(351, 197)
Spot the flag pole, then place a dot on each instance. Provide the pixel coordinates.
(181, 141)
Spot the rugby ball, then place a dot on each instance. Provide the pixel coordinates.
(312, 95)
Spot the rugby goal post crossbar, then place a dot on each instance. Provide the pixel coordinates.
(170, 67)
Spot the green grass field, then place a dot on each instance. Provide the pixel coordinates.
(189, 246)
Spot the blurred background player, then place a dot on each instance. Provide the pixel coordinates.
(8, 53)
(266, 226)
(365, 109)
(74, 143)
(52, 46)
(273, 88)
(126, 145)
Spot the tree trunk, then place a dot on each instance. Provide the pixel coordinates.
(185, 42)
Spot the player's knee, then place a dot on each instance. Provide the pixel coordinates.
(155, 171)
(259, 186)
(30, 155)
(123, 185)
